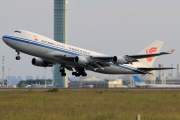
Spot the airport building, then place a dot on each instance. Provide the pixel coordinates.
(60, 35)
(97, 84)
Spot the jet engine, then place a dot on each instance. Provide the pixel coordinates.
(41, 63)
(80, 60)
(119, 60)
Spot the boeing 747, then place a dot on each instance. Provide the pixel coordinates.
(78, 60)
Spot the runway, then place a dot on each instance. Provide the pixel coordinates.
(90, 88)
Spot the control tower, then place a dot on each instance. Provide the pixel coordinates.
(60, 35)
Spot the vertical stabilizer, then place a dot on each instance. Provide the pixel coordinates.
(154, 47)
(138, 81)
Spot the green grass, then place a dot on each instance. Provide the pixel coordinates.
(89, 104)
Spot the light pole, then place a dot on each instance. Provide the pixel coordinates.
(2, 84)
(9, 76)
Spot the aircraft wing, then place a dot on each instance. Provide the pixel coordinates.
(130, 58)
(92, 62)
(67, 58)
(101, 61)
(151, 55)
(91, 59)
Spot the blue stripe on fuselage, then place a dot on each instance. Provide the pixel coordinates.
(128, 68)
(42, 45)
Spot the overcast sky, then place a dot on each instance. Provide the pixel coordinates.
(113, 27)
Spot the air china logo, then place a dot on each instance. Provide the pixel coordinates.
(35, 39)
(149, 51)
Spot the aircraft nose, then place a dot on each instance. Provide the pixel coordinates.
(4, 38)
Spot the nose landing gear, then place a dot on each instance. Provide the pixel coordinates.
(18, 57)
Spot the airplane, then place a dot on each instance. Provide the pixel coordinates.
(124, 86)
(78, 60)
(69, 82)
(138, 83)
(28, 86)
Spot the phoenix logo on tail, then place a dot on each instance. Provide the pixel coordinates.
(149, 51)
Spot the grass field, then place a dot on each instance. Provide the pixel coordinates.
(89, 104)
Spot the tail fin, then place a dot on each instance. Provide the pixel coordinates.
(69, 82)
(138, 82)
(137, 79)
(154, 47)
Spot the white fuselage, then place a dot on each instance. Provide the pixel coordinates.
(163, 86)
(156, 85)
(45, 48)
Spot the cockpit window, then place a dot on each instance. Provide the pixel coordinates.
(18, 31)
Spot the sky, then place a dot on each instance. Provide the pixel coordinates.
(113, 27)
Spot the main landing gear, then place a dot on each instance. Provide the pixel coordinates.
(79, 72)
(62, 70)
(18, 57)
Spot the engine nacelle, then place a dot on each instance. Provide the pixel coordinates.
(80, 60)
(119, 60)
(41, 63)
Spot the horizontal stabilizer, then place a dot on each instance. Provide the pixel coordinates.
(150, 69)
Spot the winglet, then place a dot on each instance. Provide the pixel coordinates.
(168, 52)
(171, 51)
